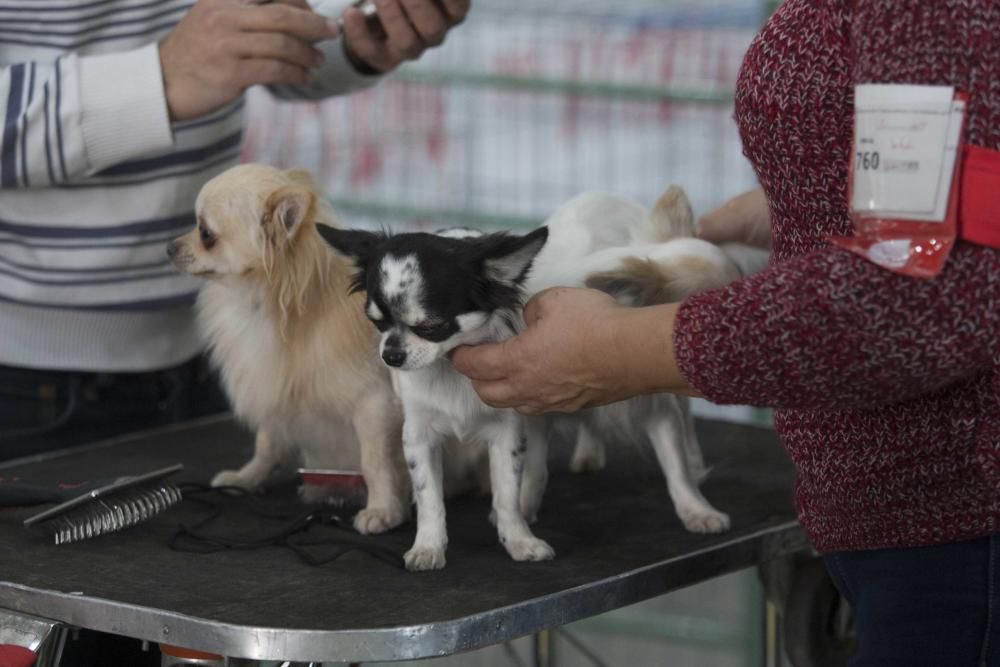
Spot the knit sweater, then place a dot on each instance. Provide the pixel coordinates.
(886, 388)
(94, 180)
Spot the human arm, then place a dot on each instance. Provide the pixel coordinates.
(826, 330)
(829, 329)
(64, 119)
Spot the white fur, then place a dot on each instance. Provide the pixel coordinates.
(592, 233)
(441, 410)
(401, 279)
(440, 406)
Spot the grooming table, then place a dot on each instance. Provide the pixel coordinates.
(615, 534)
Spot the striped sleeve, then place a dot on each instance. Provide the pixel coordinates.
(79, 114)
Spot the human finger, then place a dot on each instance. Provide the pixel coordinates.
(401, 37)
(481, 362)
(365, 46)
(298, 4)
(304, 24)
(426, 18)
(278, 46)
(454, 10)
(497, 394)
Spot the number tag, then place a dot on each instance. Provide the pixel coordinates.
(905, 144)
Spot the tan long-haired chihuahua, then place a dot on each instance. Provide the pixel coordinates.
(297, 357)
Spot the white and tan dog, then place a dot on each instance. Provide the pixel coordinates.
(641, 257)
(297, 357)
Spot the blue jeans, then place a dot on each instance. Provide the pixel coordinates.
(937, 606)
(45, 410)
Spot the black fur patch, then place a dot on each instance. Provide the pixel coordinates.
(455, 273)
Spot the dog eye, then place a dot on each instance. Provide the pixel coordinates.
(207, 237)
(432, 332)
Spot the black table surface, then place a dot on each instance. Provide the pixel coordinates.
(616, 536)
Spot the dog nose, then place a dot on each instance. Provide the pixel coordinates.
(394, 357)
(172, 249)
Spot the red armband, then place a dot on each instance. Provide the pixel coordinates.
(979, 210)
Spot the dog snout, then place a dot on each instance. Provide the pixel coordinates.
(394, 357)
(179, 254)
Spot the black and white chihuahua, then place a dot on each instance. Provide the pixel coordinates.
(427, 294)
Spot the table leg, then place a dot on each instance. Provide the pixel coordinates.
(545, 649)
(30, 639)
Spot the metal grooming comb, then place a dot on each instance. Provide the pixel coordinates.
(110, 507)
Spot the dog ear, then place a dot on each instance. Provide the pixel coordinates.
(357, 244)
(506, 258)
(671, 216)
(288, 207)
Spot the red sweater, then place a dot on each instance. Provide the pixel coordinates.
(886, 388)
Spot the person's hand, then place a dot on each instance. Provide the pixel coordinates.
(222, 47)
(743, 219)
(580, 349)
(408, 28)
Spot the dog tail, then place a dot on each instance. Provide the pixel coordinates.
(640, 281)
(671, 217)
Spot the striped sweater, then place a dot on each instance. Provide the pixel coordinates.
(886, 387)
(94, 179)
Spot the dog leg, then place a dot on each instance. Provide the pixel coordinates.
(536, 469)
(507, 453)
(588, 455)
(255, 471)
(378, 425)
(666, 432)
(696, 464)
(423, 451)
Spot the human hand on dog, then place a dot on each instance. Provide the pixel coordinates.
(405, 29)
(222, 47)
(743, 219)
(580, 349)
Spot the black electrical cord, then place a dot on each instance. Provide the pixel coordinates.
(203, 537)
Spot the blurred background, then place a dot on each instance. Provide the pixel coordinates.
(528, 104)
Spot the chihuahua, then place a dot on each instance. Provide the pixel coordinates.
(295, 353)
(641, 258)
(427, 294)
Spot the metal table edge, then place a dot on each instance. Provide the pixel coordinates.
(407, 642)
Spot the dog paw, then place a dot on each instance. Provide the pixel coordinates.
(529, 549)
(372, 520)
(232, 478)
(421, 559)
(705, 521)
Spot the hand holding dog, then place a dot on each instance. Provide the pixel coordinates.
(222, 47)
(743, 219)
(580, 349)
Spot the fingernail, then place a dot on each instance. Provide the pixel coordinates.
(333, 28)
